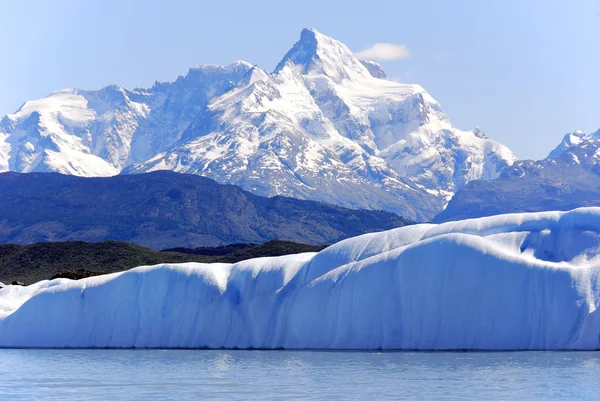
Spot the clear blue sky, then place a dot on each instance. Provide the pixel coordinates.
(525, 71)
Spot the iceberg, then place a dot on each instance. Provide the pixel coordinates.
(525, 281)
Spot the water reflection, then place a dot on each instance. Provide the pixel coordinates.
(174, 374)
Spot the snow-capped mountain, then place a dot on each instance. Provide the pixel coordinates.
(98, 133)
(323, 125)
(578, 139)
(568, 178)
(71, 131)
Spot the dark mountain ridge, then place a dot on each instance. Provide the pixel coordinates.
(164, 209)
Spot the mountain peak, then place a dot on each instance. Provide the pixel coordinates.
(253, 75)
(309, 34)
(316, 53)
(569, 140)
(323, 127)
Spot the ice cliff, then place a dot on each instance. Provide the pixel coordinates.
(519, 281)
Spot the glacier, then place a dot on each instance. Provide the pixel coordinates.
(510, 282)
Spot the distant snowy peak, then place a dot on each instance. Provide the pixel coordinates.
(570, 139)
(72, 132)
(98, 133)
(324, 126)
(573, 139)
(568, 178)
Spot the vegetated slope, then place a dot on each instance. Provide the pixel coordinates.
(511, 282)
(41, 261)
(165, 209)
(77, 259)
(323, 125)
(567, 179)
(237, 252)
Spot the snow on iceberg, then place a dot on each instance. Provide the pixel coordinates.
(520, 281)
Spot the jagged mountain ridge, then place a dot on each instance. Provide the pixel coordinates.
(573, 140)
(323, 126)
(567, 179)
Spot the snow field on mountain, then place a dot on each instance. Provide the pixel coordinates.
(521, 281)
(323, 125)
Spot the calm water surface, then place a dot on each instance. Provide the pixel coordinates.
(177, 374)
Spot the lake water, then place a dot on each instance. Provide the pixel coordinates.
(177, 374)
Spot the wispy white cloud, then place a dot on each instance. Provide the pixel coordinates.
(384, 51)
